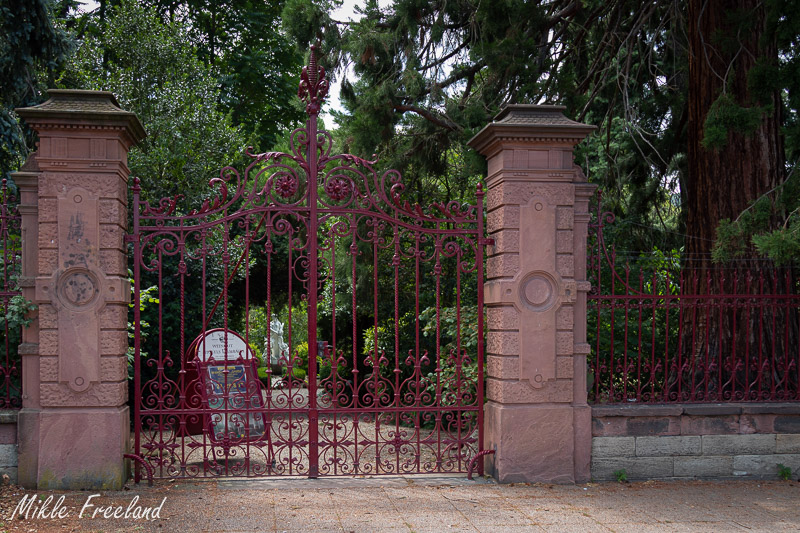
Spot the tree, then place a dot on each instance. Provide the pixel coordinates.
(32, 49)
(153, 69)
(735, 147)
(257, 66)
(431, 73)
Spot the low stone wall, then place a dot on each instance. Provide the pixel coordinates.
(695, 441)
(8, 443)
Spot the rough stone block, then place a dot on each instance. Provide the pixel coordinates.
(613, 447)
(48, 235)
(48, 262)
(502, 218)
(650, 426)
(704, 466)
(114, 317)
(564, 242)
(113, 342)
(765, 466)
(502, 367)
(565, 367)
(502, 318)
(710, 425)
(565, 218)
(565, 265)
(502, 266)
(48, 211)
(113, 368)
(112, 236)
(756, 423)
(635, 467)
(668, 445)
(515, 392)
(503, 343)
(98, 395)
(505, 241)
(787, 443)
(8, 455)
(113, 212)
(564, 340)
(48, 368)
(11, 472)
(8, 433)
(609, 427)
(787, 424)
(48, 317)
(48, 342)
(738, 444)
(565, 317)
(113, 263)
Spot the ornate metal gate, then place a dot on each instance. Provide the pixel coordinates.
(381, 302)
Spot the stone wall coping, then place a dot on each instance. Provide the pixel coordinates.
(705, 409)
(8, 416)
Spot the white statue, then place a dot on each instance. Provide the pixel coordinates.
(275, 345)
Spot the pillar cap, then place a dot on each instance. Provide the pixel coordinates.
(528, 122)
(76, 106)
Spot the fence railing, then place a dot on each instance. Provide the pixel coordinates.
(10, 330)
(661, 332)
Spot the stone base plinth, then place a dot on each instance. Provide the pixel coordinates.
(69, 449)
(537, 443)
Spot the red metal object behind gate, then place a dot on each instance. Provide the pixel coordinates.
(397, 385)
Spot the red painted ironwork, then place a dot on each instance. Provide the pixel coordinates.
(390, 291)
(10, 365)
(661, 332)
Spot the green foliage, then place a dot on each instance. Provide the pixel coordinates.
(32, 49)
(726, 116)
(621, 476)
(153, 69)
(146, 298)
(784, 472)
(755, 226)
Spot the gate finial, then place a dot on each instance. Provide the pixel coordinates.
(313, 85)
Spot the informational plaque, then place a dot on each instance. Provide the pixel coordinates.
(231, 391)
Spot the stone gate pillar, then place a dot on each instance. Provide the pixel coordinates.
(537, 419)
(74, 424)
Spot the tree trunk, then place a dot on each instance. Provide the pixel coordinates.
(731, 350)
(722, 182)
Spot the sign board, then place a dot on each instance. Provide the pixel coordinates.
(231, 391)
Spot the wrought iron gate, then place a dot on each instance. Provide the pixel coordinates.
(381, 302)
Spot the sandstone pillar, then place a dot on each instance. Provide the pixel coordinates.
(74, 424)
(536, 417)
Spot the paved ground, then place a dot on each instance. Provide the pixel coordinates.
(428, 504)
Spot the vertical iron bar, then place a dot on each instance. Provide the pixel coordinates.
(312, 159)
(480, 240)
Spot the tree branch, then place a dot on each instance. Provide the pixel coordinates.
(427, 115)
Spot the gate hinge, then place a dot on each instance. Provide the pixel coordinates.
(130, 238)
(486, 242)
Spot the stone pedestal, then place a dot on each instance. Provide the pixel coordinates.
(74, 425)
(537, 418)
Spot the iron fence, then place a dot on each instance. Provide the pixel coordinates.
(661, 332)
(11, 331)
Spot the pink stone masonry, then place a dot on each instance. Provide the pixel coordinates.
(537, 418)
(74, 425)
